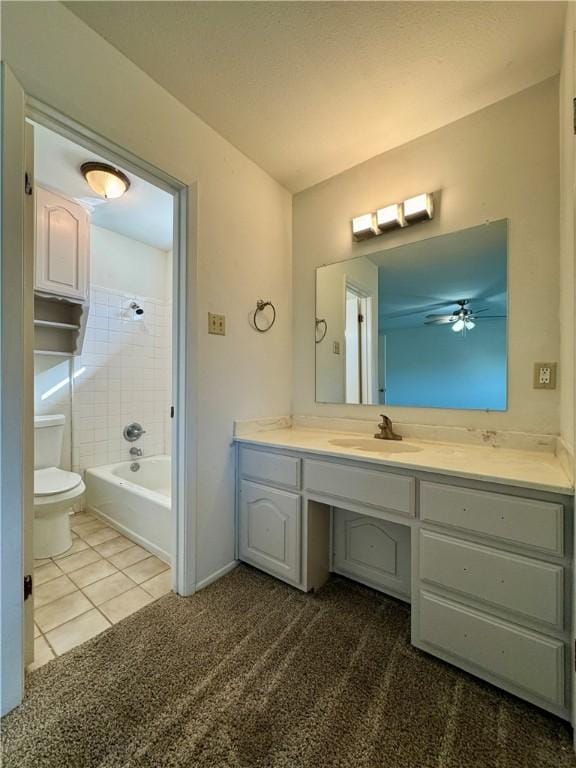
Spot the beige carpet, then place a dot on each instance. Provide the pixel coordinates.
(250, 672)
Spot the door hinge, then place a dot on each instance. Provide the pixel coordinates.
(360, 318)
(27, 184)
(171, 411)
(27, 586)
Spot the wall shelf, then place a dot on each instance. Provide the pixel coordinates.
(52, 324)
(53, 353)
(59, 325)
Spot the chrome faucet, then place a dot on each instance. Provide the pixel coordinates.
(135, 451)
(386, 430)
(133, 432)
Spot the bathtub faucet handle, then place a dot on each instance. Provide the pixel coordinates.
(133, 432)
(135, 451)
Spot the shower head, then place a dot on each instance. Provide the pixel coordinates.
(137, 308)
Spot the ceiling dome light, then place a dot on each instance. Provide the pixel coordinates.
(105, 180)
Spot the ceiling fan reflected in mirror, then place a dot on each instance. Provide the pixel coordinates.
(462, 319)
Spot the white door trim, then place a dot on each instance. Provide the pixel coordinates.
(184, 347)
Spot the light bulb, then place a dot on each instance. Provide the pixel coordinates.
(364, 227)
(389, 217)
(458, 325)
(419, 207)
(469, 325)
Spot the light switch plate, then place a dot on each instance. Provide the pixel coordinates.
(217, 324)
(545, 375)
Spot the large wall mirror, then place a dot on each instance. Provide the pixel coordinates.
(421, 325)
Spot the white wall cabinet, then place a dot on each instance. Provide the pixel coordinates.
(487, 567)
(269, 535)
(62, 246)
(372, 551)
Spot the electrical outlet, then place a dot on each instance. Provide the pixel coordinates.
(544, 375)
(217, 324)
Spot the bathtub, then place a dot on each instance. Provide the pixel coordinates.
(137, 504)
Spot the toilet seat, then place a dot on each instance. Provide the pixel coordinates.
(52, 480)
(55, 488)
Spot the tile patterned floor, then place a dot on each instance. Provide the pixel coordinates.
(100, 580)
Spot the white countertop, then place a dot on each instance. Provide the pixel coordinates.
(527, 469)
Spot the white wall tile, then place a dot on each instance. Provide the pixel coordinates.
(126, 377)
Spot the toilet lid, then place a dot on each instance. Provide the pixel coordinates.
(53, 480)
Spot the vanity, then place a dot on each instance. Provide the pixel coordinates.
(473, 528)
(478, 539)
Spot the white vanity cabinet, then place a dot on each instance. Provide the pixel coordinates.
(486, 567)
(62, 246)
(492, 587)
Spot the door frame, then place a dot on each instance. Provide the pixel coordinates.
(16, 438)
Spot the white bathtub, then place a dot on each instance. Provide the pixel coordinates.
(136, 503)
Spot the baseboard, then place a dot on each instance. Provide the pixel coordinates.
(217, 575)
(148, 545)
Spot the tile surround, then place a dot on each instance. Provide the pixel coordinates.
(82, 593)
(123, 375)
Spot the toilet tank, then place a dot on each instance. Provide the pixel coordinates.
(48, 437)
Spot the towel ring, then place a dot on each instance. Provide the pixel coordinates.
(319, 322)
(260, 306)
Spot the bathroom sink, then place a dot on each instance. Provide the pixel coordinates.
(375, 446)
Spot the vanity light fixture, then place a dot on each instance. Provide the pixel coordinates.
(364, 227)
(105, 180)
(419, 207)
(390, 217)
(395, 216)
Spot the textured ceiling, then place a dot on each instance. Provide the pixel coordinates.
(308, 89)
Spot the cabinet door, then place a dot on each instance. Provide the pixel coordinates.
(62, 246)
(372, 551)
(270, 530)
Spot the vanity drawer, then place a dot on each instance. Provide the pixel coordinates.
(528, 587)
(364, 486)
(535, 524)
(270, 467)
(510, 653)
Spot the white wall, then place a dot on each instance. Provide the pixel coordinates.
(501, 162)
(243, 239)
(567, 211)
(127, 265)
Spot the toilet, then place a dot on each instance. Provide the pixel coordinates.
(57, 492)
